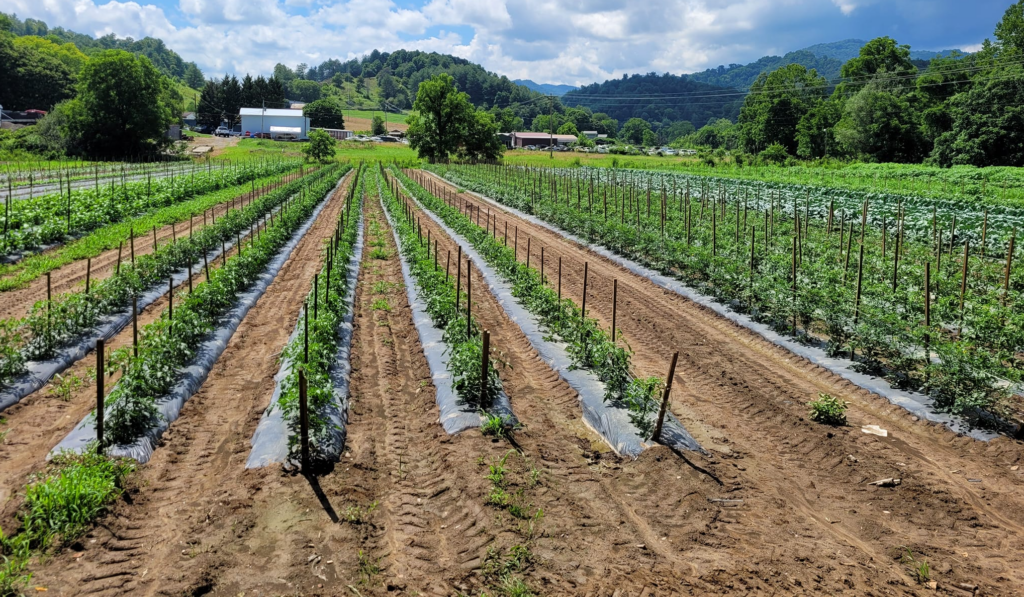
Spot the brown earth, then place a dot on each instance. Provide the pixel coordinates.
(40, 420)
(960, 502)
(155, 540)
(353, 123)
(778, 506)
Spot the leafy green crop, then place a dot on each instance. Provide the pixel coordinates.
(48, 327)
(324, 320)
(791, 257)
(588, 345)
(438, 290)
(56, 216)
(168, 345)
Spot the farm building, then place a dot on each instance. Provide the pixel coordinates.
(520, 140)
(275, 122)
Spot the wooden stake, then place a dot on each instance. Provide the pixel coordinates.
(135, 326)
(88, 274)
(469, 300)
(963, 281)
(615, 304)
(100, 350)
(485, 366)
(860, 280)
(303, 422)
(656, 436)
(1009, 266)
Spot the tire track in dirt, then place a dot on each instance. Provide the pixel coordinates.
(755, 395)
(663, 501)
(195, 498)
(71, 277)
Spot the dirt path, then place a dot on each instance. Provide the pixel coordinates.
(959, 505)
(71, 277)
(197, 476)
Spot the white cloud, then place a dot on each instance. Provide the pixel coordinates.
(556, 41)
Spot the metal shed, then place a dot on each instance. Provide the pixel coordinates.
(275, 122)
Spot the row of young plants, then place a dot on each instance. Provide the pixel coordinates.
(53, 325)
(20, 273)
(53, 217)
(21, 173)
(590, 347)
(314, 349)
(169, 344)
(962, 218)
(852, 287)
(445, 305)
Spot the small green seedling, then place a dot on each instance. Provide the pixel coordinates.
(828, 410)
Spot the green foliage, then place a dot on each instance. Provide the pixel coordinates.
(48, 327)
(166, 347)
(828, 410)
(777, 102)
(633, 131)
(774, 154)
(33, 79)
(499, 426)
(446, 124)
(643, 399)
(568, 129)
(304, 91)
(321, 147)
(63, 501)
(377, 125)
(15, 553)
(325, 113)
(880, 56)
(122, 107)
(324, 324)
(880, 124)
(465, 346)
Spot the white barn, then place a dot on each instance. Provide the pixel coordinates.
(276, 122)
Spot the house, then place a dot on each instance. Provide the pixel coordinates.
(590, 134)
(520, 140)
(188, 119)
(278, 123)
(397, 133)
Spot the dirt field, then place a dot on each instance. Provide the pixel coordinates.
(777, 506)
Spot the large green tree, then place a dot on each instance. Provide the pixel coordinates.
(986, 123)
(775, 105)
(446, 124)
(122, 108)
(881, 124)
(30, 78)
(633, 130)
(815, 133)
(325, 113)
(880, 56)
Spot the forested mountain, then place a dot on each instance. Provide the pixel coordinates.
(743, 76)
(850, 48)
(658, 99)
(545, 88)
(166, 60)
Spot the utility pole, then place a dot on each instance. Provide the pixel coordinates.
(263, 116)
(551, 129)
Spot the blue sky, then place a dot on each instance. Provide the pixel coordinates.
(549, 41)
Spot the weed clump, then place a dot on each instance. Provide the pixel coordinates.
(828, 410)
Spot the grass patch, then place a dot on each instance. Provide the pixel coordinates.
(381, 304)
(64, 500)
(65, 386)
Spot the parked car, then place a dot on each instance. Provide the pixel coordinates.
(222, 131)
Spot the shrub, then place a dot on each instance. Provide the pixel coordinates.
(828, 410)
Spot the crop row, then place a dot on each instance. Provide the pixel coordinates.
(59, 322)
(938, 318)
(168, 344)
(444, 301)
(18, 175)
(590, 347)
(53, 217)
(19, 274)
(962, 219)
(314, 349)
